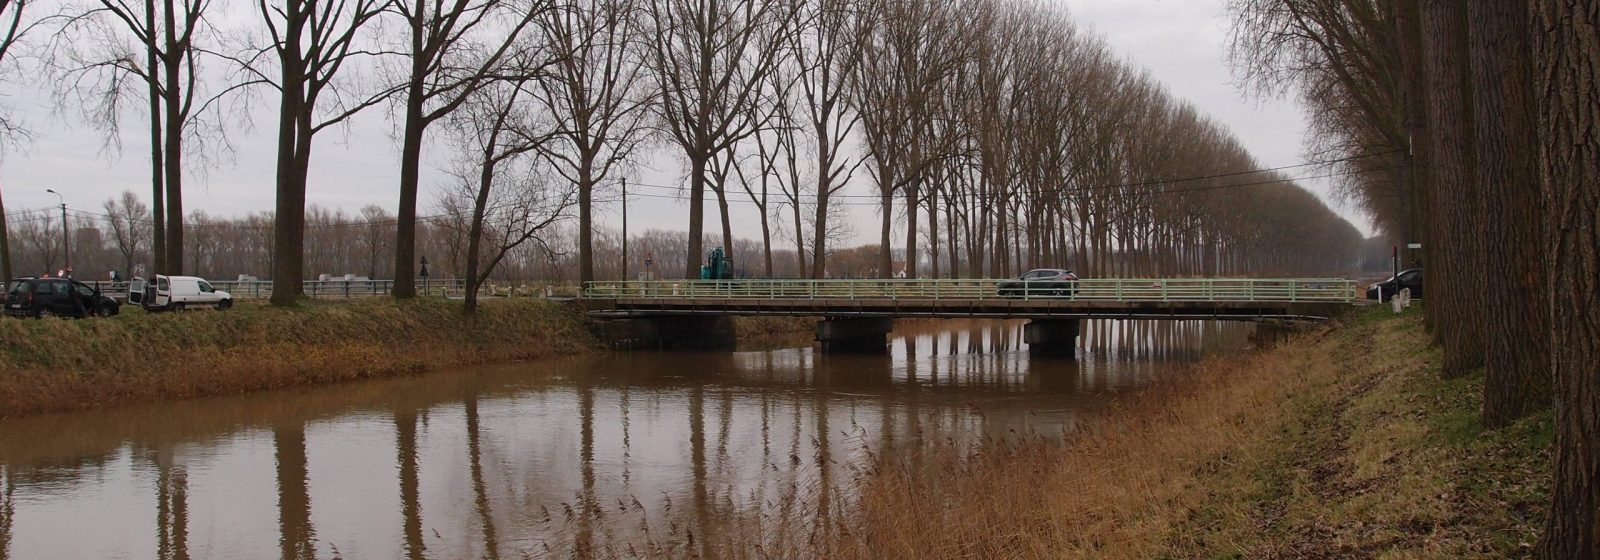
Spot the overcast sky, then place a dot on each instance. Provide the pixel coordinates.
(1181, 42)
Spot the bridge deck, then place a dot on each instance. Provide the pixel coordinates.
(1235, 299)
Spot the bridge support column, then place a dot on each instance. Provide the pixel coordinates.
(670, 333)
(854, 334)
(1051, 337)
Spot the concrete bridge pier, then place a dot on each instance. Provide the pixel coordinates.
(1051, 337)
(854, 334)
(695, 332)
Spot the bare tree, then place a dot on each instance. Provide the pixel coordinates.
(826, 51)
(516, 203)
(11, 12)
(708, 59)
(908, 60)
(597, 96)
(161, 55)
(377, 239)
(450, 57)
(312, 41)
(130, 229)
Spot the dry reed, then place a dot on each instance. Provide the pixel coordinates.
(56, 365)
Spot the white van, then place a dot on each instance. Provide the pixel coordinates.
(176, 293)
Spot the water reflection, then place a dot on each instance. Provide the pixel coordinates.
(294, 498)
(8, 492)
(172, 506)
(597, 456)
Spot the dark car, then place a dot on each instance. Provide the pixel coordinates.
(56, 297)
(1383, 291)
(1043, 282)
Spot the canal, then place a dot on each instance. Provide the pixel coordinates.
(617, 454)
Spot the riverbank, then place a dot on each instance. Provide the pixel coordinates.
(58, 365)
(61, 365)
(1341, 442)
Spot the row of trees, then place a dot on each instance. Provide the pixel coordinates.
(1470, 127)
(997, 138)
(996, 135)
(120, 236)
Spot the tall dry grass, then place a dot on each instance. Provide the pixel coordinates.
(54, 365)
(1120, 488)
(1103, 494)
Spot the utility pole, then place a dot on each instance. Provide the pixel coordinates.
(624, 228)
(66, 240)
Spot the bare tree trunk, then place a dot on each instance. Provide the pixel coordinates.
(480, 205)
(1567, 89)
(1456, 271)
(158, 251)
(288, 276)
(405, 236)
(819, 234)
(799, 242)
(1517, 382)
(911, 230)
(933, 234)
(697, 216)
(885, 253)
(5, 245)
(172, 63)
(290, 215)
(586, 221)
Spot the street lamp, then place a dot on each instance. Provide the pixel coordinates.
(66, 243)
(424, 273)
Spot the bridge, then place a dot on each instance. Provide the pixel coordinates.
(859, 313)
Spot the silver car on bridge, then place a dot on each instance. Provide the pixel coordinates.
(1041, 282)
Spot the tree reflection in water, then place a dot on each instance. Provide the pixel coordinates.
(8, 491)
(706, 454)
(294, 501)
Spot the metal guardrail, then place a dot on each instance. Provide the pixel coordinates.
(320, 289)
(1336, 290)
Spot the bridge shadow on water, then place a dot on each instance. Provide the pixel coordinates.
(591, 456)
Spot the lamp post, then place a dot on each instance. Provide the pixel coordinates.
(424, 273)
(66, 242)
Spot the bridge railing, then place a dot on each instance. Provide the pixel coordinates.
(1092, 289)
(318, 289)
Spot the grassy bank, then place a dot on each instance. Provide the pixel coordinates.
(57, 365)
(1342, 442)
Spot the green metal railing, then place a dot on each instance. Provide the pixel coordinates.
(1097, 289)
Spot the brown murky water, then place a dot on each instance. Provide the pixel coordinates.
(602, 452)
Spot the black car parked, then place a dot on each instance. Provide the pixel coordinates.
(1385, 290)
(56, 297)
(1043, 282)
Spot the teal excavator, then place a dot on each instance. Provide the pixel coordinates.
(718, 266)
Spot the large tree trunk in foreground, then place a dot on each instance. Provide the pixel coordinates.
(1517, 382)
(1455, 275)
(1567, 59)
